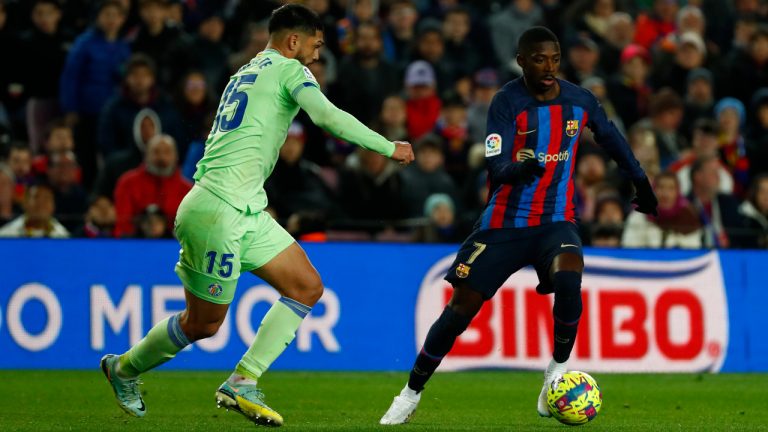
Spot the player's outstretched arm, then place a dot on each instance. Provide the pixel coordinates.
(618, 148)
(345, 126)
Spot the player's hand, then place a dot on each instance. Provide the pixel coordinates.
(529, 169)
(645, 199)
(403, 153)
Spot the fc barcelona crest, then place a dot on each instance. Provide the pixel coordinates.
(462, 271)
(572, 128)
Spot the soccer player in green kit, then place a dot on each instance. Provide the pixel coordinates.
(223, 229)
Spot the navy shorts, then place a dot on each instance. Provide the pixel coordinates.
(487, 258)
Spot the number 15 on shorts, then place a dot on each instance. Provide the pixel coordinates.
(225, 265)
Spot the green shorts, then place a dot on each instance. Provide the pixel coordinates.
(218, 242)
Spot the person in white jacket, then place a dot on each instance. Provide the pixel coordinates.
(37, 220)
(677, 225)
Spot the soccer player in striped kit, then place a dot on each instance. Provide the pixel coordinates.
(533, 128)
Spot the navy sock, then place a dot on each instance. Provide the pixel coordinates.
(440, 339)
(566, 312)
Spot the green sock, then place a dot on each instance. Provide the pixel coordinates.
(161, 344)
(277, 330)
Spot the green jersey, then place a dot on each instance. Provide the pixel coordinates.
(252, 121)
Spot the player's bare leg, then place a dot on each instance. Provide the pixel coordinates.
(293, 276)
(565, 280)
(464, 305)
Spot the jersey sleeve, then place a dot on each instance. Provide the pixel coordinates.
(610, 139)
(297, 78)
(499, 141)
(340, 123)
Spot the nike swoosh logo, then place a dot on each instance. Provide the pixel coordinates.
(562, 245)
(519, 132)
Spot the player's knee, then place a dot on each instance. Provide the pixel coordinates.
(567, 295)
(455, 321)
(308, 289)
(196, 331)
(466, 301)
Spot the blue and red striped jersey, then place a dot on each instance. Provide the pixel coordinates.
(521, 127)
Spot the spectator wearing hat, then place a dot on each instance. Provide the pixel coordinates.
(656, 24)
(699, 100)
(157, 181)
(671, 70)
(90, 77)
(486, 84)
(139, 92)
(629, 90)
(757, 145)
(365, 77)
(583, 61)
(441, 221)
(731, 117)
(296, 183)
(506, 26)
(748, 69)
(422, 104)
(427, 176)
(618, 35)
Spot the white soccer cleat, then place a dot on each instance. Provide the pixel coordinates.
(552, 374)
(402, 407)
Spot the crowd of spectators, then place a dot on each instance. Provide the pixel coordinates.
(105, 107)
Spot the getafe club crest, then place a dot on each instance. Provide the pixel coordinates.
(572, 128)
(215, 289)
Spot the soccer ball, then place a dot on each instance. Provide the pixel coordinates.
(574, 398)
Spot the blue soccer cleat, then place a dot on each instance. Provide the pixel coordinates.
(248, 400)
(126, 389)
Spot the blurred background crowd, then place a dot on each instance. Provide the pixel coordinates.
(105, 107)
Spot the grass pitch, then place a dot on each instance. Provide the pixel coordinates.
(471, 401)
